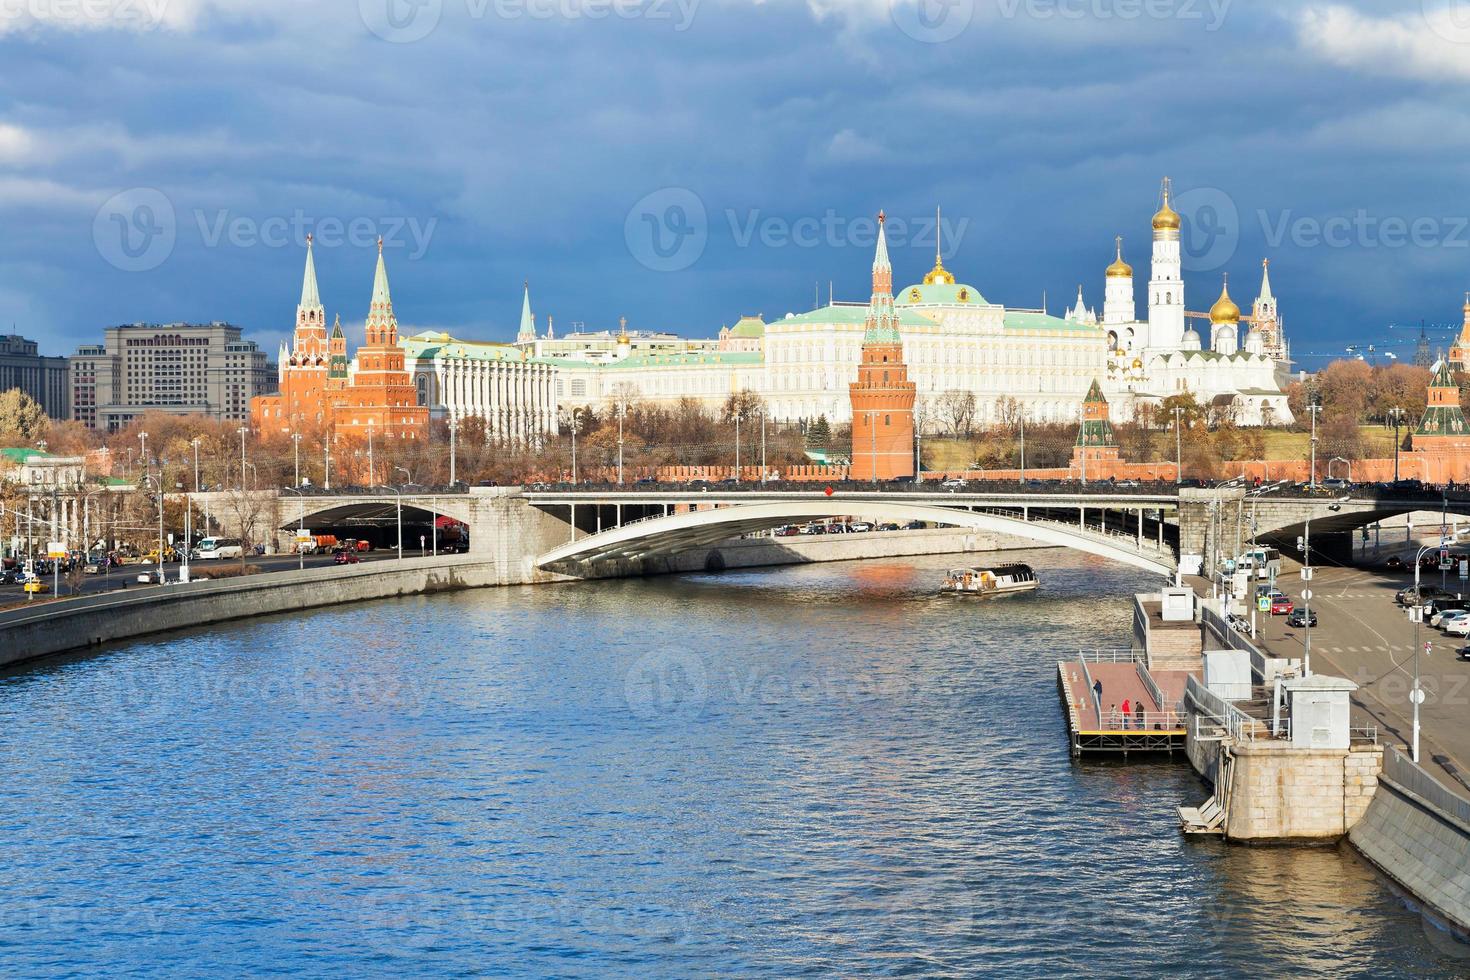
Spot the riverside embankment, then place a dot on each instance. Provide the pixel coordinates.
(42, 629)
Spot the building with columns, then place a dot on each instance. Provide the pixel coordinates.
(515, 394)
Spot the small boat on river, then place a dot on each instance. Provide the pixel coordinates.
(1000, 580)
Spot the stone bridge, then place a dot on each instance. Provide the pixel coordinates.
(593, 532)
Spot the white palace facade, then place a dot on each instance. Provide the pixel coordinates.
(955, 340)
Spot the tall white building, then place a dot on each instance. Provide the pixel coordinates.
(1166, 281)
(179, 368)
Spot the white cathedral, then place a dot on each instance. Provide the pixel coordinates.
(1163, 355)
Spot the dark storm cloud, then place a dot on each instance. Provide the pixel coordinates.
(682, 164)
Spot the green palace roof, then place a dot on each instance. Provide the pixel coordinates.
(948, 294)
(749, 327)
(691, 359)
(1028, 322)
(431, 344)
(853, 314)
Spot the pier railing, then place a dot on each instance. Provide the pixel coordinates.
(1225, 714)
(1153, 687)
(1115, 656)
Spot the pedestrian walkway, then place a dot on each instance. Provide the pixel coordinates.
(1098, 685)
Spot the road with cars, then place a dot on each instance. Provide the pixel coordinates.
(126, 576)
(1363, 634)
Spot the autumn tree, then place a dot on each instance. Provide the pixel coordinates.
(22, 420)
(957, 408)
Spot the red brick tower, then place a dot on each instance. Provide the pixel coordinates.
(381, 396)
(883, 395)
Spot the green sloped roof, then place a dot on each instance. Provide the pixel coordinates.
(20, 454)
(853, 314)
(429, 344)
(691, 359)
(749, 327)
(957, 294)
(1018, 322)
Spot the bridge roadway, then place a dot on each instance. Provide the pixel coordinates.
(652, 522)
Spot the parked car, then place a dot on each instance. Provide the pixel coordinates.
(1281, 605)
(1444, 619)
(787, 531)
(955, 483)
(1456, 626)
(1437, 609)
(914, 526)
(859, 526)
(888, 526)
(1463, 653)
(1301, 618)
(345, 557)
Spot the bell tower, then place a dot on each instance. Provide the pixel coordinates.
(882, 396)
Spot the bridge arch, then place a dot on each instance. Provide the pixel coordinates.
(345, 509)
(657, 537)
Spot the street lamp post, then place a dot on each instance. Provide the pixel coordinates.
(300, 526)
(1314, 408)
(372, 471)
(1178, 447)
(1416, 615)
(1396, 414)
(327, 464)
(738, 411)
(1023, 448)
(622, 407)
(763, 443)
(453, 455)
(243, 430)
(296, 447)
(400, 509)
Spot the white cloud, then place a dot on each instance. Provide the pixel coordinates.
(1432, 44)
(16, 144)
(849, 146)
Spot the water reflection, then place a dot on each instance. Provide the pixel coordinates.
(825, 770)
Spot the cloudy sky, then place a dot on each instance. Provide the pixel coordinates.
(683, 162)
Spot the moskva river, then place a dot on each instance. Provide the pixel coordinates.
(817, 771)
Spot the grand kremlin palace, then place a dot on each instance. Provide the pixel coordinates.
(954, 339)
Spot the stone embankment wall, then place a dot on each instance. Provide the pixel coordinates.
(1280, 793)
(1418, 833)
(507, 559)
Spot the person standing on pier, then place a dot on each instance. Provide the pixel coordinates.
(1138, 714)
(1097, 691)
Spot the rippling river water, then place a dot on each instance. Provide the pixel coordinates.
(825, 770)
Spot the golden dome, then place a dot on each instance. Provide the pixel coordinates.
(939, 275)
(1225, 310)
(1119, 268)
(1166, 218)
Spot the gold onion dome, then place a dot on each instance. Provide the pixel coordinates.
(1225, 310)
(1119, 268)
(1166, 218)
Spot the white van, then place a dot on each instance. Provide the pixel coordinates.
(218, 548)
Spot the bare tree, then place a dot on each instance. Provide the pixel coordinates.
(957, 408)
(1008, 412)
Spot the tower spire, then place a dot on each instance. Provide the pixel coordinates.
(1266, 280)
(310, 297)
(382, 325)
(527, 333)
(882, 322)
